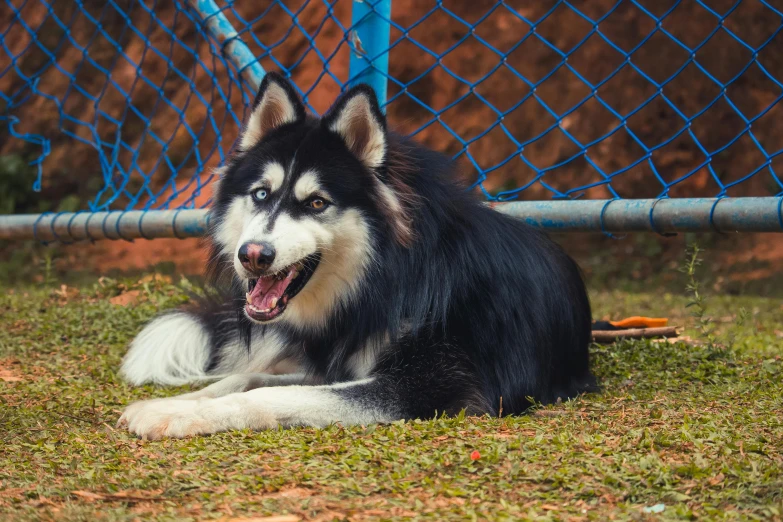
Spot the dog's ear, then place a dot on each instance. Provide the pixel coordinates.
(276, 104)
(358, 120)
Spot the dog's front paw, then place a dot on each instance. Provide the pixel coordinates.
(159, 418)
(131, 410)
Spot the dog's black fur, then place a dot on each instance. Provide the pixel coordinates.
(472, 305)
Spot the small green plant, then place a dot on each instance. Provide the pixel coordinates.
(697, 303)
(731, 334)
(705, 324)
(49, 277)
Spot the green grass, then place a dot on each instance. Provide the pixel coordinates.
(697, 427)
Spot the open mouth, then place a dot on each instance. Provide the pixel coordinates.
(268, 296)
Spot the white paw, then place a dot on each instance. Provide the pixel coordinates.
(159, 418)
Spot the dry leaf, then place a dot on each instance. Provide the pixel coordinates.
(66, 293)
(88, 495)
(119, 496)
(7, 374)
(293, 492)
(274, 518)
(130, 297)
(155, 277)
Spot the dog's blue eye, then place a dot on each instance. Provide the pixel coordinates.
(260, 194)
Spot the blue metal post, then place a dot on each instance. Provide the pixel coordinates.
(370, 45)
(235, 50)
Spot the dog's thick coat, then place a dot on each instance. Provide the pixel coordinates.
(417, 299)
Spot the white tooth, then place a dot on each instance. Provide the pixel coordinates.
(273, 303)
(247, 297)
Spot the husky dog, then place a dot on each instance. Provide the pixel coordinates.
(364, 285)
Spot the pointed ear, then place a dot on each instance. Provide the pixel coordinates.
(358, 120)
(276, 104)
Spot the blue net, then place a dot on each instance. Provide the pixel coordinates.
(129, 104)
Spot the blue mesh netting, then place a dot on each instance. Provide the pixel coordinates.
(129, 100)
(538, 99)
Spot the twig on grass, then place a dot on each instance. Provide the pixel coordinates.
(634, 333)
(112, 497)
(88, 421)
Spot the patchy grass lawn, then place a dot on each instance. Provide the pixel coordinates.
(683, 430)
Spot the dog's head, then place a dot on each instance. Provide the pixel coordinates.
(300, 200)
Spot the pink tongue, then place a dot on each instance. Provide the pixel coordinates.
(269, 288)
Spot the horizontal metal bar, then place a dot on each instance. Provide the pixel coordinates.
(652, 215)
(133, 224)
(622, 215)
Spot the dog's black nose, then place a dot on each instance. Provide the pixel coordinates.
(256, 257)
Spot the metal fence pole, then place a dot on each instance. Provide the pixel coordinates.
(746, 214)
(370, 45)
(133, 224)
(622, 215)
(232, 46)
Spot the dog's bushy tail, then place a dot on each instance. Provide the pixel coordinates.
(205, 341)
(172, 350)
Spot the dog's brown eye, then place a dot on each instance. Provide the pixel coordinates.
(317, 204)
